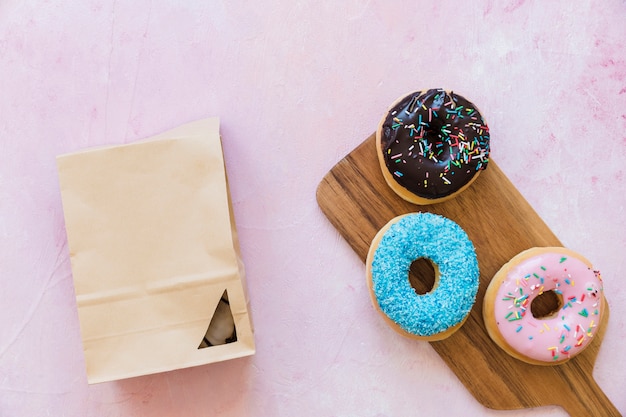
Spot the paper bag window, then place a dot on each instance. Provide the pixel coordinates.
(154, 253)
(222, 328)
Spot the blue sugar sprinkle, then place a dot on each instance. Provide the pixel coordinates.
(445, 243)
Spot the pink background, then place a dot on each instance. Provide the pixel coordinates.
(297, 84)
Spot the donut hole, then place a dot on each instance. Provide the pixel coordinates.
(422, 275)
(546, 305)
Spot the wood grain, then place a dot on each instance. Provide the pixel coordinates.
(501, 223)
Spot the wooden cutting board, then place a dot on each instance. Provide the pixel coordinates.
(358, 202)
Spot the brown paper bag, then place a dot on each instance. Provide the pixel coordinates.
(153, 250)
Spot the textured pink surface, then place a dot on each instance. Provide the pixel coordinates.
(297, 85)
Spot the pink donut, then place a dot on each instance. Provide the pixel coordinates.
(564, 333)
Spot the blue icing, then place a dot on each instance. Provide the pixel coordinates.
(445, 243)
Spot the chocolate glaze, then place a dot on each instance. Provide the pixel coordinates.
(434, 142)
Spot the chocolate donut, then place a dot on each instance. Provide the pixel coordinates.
(432, 145)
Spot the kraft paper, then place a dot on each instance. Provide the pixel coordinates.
(153, 248)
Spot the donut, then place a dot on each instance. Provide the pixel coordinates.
(432, 145)
(555, 337)
(440, 312)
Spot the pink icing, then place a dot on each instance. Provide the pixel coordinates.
(567, 332)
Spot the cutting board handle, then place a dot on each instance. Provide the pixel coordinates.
(576, 406)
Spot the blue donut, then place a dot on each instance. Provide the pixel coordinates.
(423, 235)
